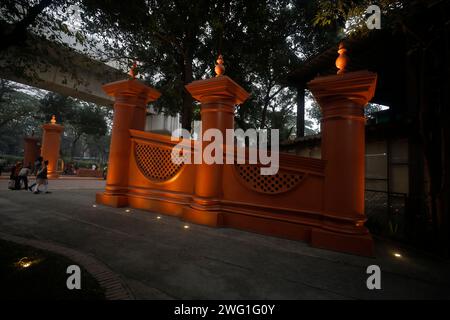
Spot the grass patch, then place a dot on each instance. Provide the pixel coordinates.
(29, 273)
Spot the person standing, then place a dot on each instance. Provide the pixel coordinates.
(37, 167)
(41, 178)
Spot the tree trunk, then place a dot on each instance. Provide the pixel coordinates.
(434, 114)
(73, 146)
(266, 105)
(300, 112)
(186, 111)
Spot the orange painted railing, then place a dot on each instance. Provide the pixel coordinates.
(155, 182)
(249, 201)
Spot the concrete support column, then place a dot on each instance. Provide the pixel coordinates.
(51, 143)
(342, 99)
(218, 97)
(131, 99)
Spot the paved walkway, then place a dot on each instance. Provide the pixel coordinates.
(160, 259)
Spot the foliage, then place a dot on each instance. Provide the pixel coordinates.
(176, 42)
(17, 116)
(22, 112)
(81, 119)
(42, 17)
(350, 14)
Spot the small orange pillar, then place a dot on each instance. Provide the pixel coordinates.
(218, 97)
(342, 99)
(131, 99)
(51, 142)
(30, 150)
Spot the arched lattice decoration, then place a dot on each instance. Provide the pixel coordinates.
(251, 177)
(155, 163)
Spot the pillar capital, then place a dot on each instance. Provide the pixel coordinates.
(131, 88)
(357, 87)
(51, 127)
(31, 138)
(218, 88)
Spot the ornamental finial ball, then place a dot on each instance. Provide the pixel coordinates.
(220, 68)
(342, 60)
(53, 121)
(133, 71)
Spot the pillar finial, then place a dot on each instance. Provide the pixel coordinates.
(342, 60)
(133, 70)
(220, 68)
(53, 121)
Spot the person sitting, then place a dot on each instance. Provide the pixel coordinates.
(23, 176)
(12, 178)
(15, 175)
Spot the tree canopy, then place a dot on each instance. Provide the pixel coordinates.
(177, 41)
(22, 113)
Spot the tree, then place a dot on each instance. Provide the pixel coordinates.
(18, 116)
(81, 119)
(18, 17)
(177, 42)
(14, 104)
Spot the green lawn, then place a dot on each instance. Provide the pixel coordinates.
(29, 273)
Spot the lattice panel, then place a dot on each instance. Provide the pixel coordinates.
(155, 162)
(281, 182)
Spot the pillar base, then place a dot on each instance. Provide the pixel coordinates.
(53, 176)
(202, 216)
(355, 244)
(111, 200)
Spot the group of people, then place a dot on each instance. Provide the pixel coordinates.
(20, 173)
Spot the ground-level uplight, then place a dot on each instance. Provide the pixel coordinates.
(94, 206)
(158, 217)
(26, 262)
(186, 226)
(128, 211)
(397, 255)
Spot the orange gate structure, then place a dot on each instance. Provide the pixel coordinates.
(316, 200)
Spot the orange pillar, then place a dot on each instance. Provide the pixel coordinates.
(131, 99)
(342, 99)
(30, 150)
(218, 97)
(51, 142)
